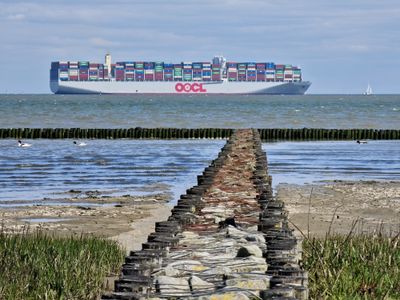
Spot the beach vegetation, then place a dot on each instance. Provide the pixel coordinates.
(353, 266)
(36, 265)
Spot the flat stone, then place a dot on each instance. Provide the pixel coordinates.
(173, 286)
(219, 270)
(253, 282)
(249, 250)
(171, 271)
(188, 265)
(226, 296)
(198, 284)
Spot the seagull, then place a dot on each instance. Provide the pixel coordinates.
(81, 144)
(361, 142)
(24, 145)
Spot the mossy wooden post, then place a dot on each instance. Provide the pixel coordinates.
(262, 133)
(387, 134)
(295, 135)
(224, 133)
(90, 134)
(303, 133)
(95, 133)
(394, 134)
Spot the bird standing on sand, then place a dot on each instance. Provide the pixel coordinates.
(81, 144)
(24, 145)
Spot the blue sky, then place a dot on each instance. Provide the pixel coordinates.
(341, 45)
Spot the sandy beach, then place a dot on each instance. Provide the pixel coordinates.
(127, 219)
(327, 206)
(335, 205)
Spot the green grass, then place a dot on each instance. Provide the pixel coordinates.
(353, 267)
(39, 266)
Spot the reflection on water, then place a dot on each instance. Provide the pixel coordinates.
(114, 167)
(52, 169)
(305, 162)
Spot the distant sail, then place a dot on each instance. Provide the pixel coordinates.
(368, 91)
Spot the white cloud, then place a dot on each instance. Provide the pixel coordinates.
(16, 17)
(305, 32)
(97, 41)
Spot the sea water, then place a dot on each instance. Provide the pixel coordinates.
(256, 111)
(50, 168)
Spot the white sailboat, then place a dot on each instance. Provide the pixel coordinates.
(368, 91)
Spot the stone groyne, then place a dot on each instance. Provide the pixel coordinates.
(289, 134)
(227, 238)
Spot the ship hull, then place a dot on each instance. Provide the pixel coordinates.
(178, 87)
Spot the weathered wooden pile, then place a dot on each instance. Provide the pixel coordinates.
(290, 134)
(227, 238)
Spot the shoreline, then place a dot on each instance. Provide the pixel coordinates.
(339, 207)
(334, 206)
(126, 219)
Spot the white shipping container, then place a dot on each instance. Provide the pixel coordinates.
(148, 71)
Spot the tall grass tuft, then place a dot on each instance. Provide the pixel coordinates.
(353, 267)
(40, 266)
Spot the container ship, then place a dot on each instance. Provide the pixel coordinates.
(139, 77)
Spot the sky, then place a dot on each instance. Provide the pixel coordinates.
(341, 45)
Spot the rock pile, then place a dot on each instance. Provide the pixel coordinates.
(227, 238)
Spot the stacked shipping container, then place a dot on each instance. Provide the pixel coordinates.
(186, 71)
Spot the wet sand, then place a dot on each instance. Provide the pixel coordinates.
(327, 206)
(127, 219)
(334, 206)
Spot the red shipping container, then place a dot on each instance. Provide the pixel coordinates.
(260, 77)
(83, 77)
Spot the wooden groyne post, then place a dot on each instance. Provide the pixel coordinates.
(266, 134)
